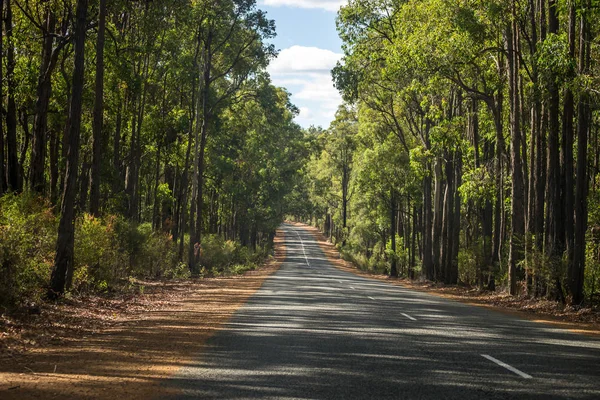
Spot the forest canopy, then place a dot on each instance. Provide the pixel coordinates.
(467, 151)
(138, 139)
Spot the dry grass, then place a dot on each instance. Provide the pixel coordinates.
(584, 320)
(123, 347)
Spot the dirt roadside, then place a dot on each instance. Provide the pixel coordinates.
(131, 358)
(584, 321)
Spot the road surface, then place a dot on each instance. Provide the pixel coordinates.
(315, 332)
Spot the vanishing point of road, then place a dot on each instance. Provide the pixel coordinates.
(315, 332)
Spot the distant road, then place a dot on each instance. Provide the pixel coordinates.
(315, 332)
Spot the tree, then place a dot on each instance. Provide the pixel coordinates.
(63, 263)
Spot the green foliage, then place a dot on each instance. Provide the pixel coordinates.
(226, 257)
(27, 240)
(554, 61)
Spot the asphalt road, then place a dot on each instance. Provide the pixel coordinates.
(315, 332)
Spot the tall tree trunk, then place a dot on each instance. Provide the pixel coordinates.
(497, 112)
(427, 226)
(196, 229)
(2, 157)
(554, 212)
(54, 154)
(12, 162)
(567, 148)
(577, 268)
(453, 271)
(37, 179)
(345, 182)
(97, 128)
(438, 214)
(393, 206)
(517, 203)
(117, 147)
(63, 262)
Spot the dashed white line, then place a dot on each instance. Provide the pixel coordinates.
(409, 317)
(303, 249)
(508, 367)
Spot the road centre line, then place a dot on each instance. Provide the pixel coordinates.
(409, 317)
(303, 249)
(508, 367)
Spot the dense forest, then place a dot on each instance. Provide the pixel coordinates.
(146, 139)
(468, 149)
(138, 139)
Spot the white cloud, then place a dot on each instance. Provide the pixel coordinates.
(306, 73)
(329, 5)
(305, 113)
(304, 59)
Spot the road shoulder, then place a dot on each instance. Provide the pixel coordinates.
(132, 360)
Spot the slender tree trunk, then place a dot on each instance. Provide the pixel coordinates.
(196, 229)
(63, 262)
(453, 274)
(3, 184)
(438, 214)
(517, 203)
(37, 179)
(554, 211)
(117, 147)
(13, 170)
(499, 172)
(577, 268)
(567, 148)
(97, 128)
(427, 229)
(393, 206)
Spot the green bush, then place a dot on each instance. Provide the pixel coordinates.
(109, 252)
(219, 256)
(27, 244)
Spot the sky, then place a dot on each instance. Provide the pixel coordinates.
(309, 48)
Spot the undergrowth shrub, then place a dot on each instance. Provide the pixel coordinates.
(27, 245)
(220, 256)
(109, 252)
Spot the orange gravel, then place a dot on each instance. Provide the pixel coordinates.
(131, 361)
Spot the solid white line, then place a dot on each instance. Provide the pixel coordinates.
(508, 367)
(409, 317)
(303, 249)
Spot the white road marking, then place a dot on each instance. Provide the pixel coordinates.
(508, 367)
(409, 317)
(303, 249)
(371, 298)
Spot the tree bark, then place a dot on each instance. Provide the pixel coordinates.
(13, 169)
(2, 155)
(63, 262)
(97, 128)
(517, 203)
(567, 148)
(577, 268)
(393, 205)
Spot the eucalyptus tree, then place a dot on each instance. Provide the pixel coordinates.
(231, 42)
(63, 264)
